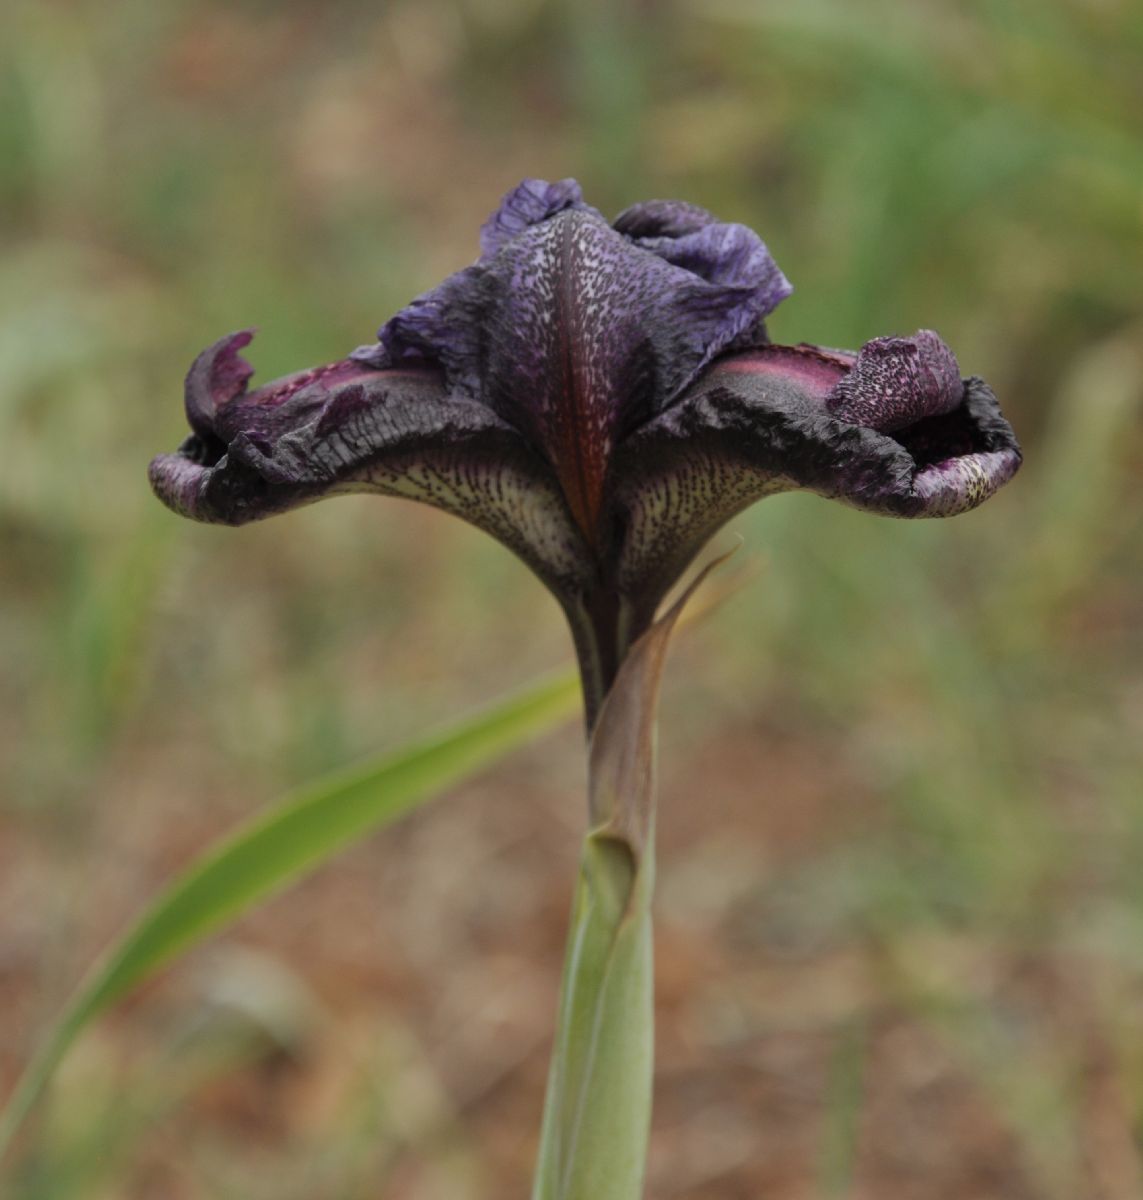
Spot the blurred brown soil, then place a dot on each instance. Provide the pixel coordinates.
(401, 1002)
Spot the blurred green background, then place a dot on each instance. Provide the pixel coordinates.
(901, 908)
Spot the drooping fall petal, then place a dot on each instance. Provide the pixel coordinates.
(348, 427)
(892, 430)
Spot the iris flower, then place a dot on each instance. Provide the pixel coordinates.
(601, 398)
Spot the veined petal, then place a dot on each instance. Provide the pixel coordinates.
(528, 203)
(779, 418)
(575, 333)
(662, 218)
(694, 239)
(731, 255)
(348, 427)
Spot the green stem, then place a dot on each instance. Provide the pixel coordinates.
(597, 1115)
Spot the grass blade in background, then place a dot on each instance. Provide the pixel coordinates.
(280, 846)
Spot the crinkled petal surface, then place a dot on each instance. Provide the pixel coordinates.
(892, 429)
(575, 333)
(529, 203)
(663, 218)
(349, 427)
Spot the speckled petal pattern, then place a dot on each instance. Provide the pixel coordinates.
(759, 423)
(348, 428)
(575, 334)
(895, 382)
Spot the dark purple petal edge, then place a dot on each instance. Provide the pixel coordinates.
(345, 428)
(734, 438)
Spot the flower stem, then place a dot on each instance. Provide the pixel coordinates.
(603, 628)
(597, 1115)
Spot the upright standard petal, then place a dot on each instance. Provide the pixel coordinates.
(348, 427)
(892, 429)
(575, 334)
(528, 203)
(662, 218)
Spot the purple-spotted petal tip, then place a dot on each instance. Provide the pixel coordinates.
(888, 430)
(895, 382)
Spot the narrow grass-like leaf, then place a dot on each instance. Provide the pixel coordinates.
(283, 844)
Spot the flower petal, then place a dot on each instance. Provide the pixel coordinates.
(694, 239)
(348, 427)
(216, 378)
(662, 218)
(528, 203)
(896, 381)
(768, 421)
(575, 334)
(731, 255)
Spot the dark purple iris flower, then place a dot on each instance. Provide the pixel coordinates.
(600, 398)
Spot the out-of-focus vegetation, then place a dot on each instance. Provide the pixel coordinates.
(900, 947)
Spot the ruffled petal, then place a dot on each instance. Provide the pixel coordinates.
(662, 218)
(347, 427)
(729, 255)
(773, 420)
(528, 203)
(575, 334)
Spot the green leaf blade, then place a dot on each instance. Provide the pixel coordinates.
(278, 847)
